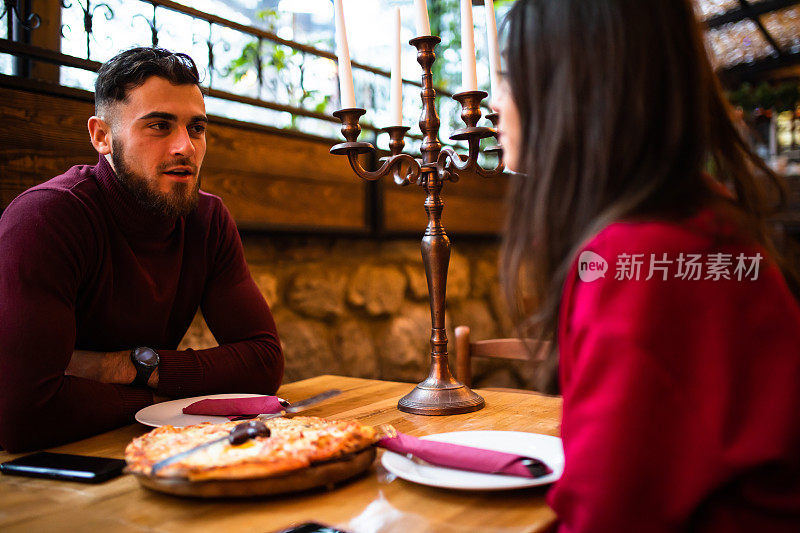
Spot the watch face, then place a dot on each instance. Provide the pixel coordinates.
(146, 356)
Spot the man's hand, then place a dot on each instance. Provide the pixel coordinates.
(106, 367)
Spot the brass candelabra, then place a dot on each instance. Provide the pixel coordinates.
(440, 393)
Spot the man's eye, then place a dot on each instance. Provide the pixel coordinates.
(159, 126)
(197, 128)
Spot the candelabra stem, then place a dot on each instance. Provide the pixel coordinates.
(439, 393)
(436, 257)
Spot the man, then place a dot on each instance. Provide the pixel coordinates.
(103, 268)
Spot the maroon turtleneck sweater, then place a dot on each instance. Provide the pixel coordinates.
(84, 266)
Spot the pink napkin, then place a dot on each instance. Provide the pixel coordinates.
(235, 407)
(466, 457)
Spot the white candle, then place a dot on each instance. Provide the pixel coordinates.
(346, 90)
(469, 76)
(423, 25)
(396, 94)
(494, 48)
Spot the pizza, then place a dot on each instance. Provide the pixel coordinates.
(293, 444)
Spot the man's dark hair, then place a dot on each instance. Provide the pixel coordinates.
(131, 68)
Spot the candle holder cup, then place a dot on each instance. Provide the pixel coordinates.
(440, 393)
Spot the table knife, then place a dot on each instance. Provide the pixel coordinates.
(296, 407)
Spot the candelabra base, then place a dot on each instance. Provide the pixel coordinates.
(432, 397)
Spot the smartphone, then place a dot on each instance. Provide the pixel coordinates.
(83, 468)
(311, 527)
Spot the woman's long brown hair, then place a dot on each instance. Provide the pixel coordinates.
(620, 114)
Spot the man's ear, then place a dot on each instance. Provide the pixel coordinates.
(100, 135)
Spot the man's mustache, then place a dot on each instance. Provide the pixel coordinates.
(178, 163)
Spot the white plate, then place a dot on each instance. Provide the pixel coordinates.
(544, 447)
(161, 414)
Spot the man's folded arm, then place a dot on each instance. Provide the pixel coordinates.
(40, 271)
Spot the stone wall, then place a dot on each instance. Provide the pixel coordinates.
(359, 306)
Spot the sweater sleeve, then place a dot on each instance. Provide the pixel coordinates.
(45, 249)
(249, 356)
(672, 390)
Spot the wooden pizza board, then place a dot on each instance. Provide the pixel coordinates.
(324, 474)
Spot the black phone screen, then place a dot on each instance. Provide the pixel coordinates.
(84, 468)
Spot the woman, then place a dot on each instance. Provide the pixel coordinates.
(638, 229)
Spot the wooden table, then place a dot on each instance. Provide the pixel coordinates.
(373, 502)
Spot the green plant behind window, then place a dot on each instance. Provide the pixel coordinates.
(280, 69)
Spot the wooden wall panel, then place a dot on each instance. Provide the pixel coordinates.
(473, 205)
(272, 180)
(40, 137)
(268, 179)
(259, 201)
(237, 149)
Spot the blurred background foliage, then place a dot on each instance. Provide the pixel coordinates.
(777, 97)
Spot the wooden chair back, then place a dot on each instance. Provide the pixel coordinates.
(511, 349)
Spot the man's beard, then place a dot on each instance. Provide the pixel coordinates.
(180, 201)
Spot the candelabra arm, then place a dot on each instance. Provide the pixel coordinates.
(449, 160)
(410, 175)
(473, 134)
(353, 149)
(493, 173)
(390, 164)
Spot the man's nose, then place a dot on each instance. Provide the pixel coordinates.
(182, 143)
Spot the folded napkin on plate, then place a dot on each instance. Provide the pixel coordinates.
(236, 407)
(465, 457)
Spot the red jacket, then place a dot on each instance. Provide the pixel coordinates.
(681, 395)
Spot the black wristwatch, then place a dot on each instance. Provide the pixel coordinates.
(146, 361)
